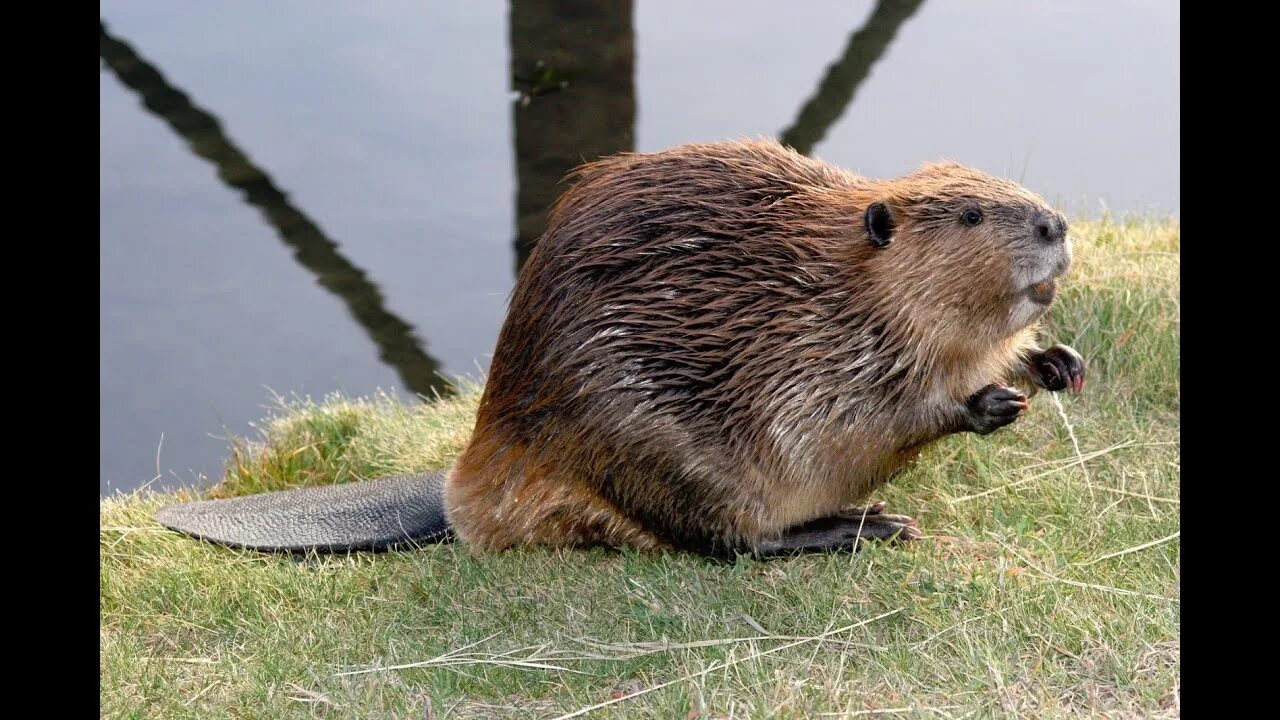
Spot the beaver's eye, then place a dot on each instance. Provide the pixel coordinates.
(971, 217)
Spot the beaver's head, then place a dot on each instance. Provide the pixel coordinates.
(979, 254)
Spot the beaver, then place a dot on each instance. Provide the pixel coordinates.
(720, 348)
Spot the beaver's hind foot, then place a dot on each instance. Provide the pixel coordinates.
(846, 529)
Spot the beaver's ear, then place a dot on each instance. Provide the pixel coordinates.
(881, 224)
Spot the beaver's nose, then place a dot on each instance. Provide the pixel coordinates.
(1050, 227)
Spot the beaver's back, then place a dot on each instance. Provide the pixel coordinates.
(661, 277)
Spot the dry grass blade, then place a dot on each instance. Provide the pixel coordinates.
(889, 711)
(723, 665)
(1134, 549)
(456, 657)
(628, 651)
(1075, 443)
(1078, 460)
(1076, 583)
(310, 696)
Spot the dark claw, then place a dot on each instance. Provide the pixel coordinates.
(1058, 368)
(993, 407)
(883, 525)
(888, 531)
(876, 524)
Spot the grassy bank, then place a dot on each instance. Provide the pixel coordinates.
(1049, 586)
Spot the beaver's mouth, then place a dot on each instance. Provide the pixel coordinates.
(1043, 292)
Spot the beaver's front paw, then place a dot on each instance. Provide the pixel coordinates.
(994, 406)
(1058, 368)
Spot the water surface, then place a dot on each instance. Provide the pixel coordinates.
(308, 198)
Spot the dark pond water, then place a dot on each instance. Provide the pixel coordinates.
(305, 197)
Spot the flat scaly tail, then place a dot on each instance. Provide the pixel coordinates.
(373, 515)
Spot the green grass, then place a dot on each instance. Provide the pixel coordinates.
(1038, 594)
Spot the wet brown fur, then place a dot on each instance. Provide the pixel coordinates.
(705, 348)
